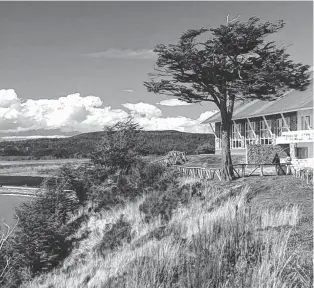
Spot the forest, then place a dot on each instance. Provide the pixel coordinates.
(80, 146)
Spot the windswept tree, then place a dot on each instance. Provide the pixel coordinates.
(235, 62)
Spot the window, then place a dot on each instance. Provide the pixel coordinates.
(302, 153)
(235, 141)
(281, 126)
(249, 133)
(265, 134)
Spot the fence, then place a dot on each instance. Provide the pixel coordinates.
(246, 170)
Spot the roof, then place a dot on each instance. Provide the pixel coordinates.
(291, 101)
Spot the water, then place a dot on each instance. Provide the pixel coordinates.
(7, 204)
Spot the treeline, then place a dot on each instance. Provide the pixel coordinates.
(81, 146)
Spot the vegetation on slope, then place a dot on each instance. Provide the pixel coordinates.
(81, 146)
(130, 223)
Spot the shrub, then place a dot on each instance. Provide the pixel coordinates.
(41, 240)
(152, 173)
(118, 149)
(205, 148)
(118, 233)
(163, 202)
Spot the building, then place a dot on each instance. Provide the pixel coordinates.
(287, 121)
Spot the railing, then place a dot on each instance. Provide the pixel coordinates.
(240, 170)
(199, 172)
(295, 136)
(305, 163)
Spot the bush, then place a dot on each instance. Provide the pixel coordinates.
(163, 202)
(119, 233)
(152, 173)
(41, 240)
(205, 148)
(118, 150)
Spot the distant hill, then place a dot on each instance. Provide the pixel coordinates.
(80, 146)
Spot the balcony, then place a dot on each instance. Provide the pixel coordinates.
(295, 137)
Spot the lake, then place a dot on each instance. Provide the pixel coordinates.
(7, 204)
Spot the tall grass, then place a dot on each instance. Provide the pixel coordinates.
(216, 242)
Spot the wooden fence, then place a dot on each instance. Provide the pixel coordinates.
(242, 170)
(199, 172)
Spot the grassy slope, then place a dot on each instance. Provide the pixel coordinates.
(268, 196)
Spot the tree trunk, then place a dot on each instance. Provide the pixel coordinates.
(226, 164)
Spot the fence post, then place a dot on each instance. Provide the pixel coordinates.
(262, 168)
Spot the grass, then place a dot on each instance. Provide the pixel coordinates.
(35, 167)
(254, 232)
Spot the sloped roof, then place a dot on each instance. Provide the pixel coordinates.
(292, 101)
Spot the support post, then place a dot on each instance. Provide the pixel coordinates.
(211, 126)
(307, 123)
(262, 168)
(285, 121)
(268, 127)
(251, 126)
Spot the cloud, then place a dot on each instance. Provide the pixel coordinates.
(204, 116)
(82, 114)
(143, 110)
(124, 54)
(128, 90)
(173, 102)
(70, 113)
(8, 97)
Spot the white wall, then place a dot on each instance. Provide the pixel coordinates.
(308, 112)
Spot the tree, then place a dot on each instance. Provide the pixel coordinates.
(236, 63)
(119, 148)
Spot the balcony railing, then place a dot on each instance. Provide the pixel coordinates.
(295, 136)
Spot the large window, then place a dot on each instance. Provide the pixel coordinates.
(249, 133)
(235, 141)
(265, 134)
(281, 127)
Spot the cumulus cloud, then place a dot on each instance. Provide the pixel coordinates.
(84, 114)
(204, 116)
(143, 110)
(70, 113)
(124, 54)
(8, 97)
(173, 102)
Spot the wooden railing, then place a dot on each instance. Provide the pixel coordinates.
(199, 172)
(241, 170)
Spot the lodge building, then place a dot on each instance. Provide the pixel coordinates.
(287, 121)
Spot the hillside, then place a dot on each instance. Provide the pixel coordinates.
(124, 221)
(201, 241)
(80, 146)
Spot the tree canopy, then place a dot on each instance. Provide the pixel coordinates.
(235, 62)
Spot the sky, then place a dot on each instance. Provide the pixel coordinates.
(73, 67)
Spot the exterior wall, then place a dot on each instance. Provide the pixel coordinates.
(304, 113)
(257, 120)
